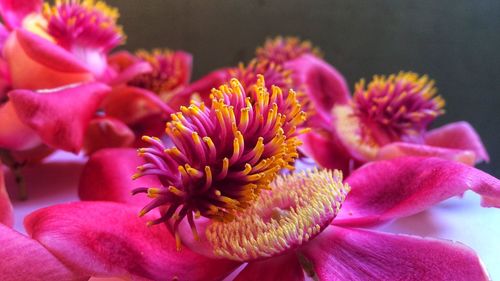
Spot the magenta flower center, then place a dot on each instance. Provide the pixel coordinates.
(82, 24)
(222, 155)
(396, 107)
(168, 71)
(274, 74)
(282, 49)
(296, 209)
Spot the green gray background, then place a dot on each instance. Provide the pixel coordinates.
(455, 42)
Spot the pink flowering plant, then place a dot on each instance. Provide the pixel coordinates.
(202, 180)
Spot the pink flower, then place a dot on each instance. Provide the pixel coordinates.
(108, 239)
(389, 118)
(145, 94)
(63, 47)
(228, 213)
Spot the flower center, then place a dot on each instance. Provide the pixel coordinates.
(169, 71)
(396, 107)
(274, 74)
(223, 156)
(81, 24)
(296, 209)
(280, 50)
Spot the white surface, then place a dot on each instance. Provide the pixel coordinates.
(458, 219)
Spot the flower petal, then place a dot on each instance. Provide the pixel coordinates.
(125, 67)
(36, 63)
(204, 86)
(60, 116)
(390, 189)
(400, 149)
(324, 85)
(25, 259)
(285, 267)
(353, 254)
(458, 135)
(107, 176)
(325, 150)
(14, 11)
(6, 215)
(109, 239)
(130, 104)
(14, 134)
(105, 132)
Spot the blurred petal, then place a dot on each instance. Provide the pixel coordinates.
(324, 85)
(458, 135)
(352, 254)
(25, 259)
(36, 63)
(60, 116)
(6, 215)
(126, 66)
(204, 86)
(400, 149)
(286, 267)
(390, 189)
(107, 176)
(109, 239)
(105, 132)
(14, 11)
(325, 150)
(14, 134)
(130, 104)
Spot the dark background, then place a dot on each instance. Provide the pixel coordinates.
(455, 42)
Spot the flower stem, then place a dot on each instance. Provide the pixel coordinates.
(16, 168)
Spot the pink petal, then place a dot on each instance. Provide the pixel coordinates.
(325, 150)
(131, 104)
(106, 132)
(60, 116)
(36, 63)
(353, 254)
(204, 86)
(109, 239)
(184, 61)
(390, 189)
(285, 267)
(14, 134)
(14, 11)
(25, 259)
(6, 215)
(324, 85)
(458, 135)
(126, 66)
(107, 176)
(400, 149)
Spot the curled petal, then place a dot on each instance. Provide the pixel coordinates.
(458, 135)
(125, 67)
(107, 176)
(203, 86)
(25, 259)
(14, 134)
(352, 254)
(400, 149)
(323, 147)
(286, 267)
(36, 63)
(6, 215)
(324, 85)
(60, 116)
(14, 11)
(105, 132)
(390, 189)
(109, 239)
(131, 104)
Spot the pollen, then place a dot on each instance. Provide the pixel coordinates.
(224, 155)
(397, 106)
(282, 49)
(83, 24)
(295, 209)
